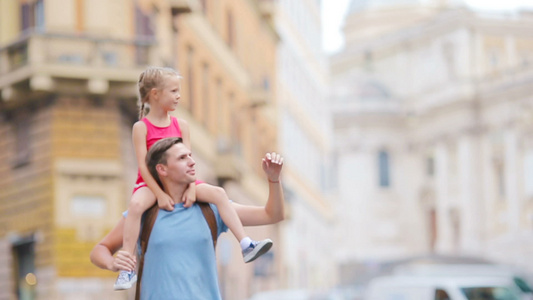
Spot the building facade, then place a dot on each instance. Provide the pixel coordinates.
(68, 71)
(432, 120)
(304, 133)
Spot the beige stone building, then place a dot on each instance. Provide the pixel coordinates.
(432, 116)
(305, 141)
(68, 70)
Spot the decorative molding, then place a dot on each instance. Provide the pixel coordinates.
(88, 167)
(205, 32)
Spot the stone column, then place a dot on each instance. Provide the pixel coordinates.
(478, 64)
(6, 272)
(510, 52)
(444, 227)
(487, 189)
(469, 179)
(511, 178)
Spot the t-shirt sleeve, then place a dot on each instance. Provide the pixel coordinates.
(221, 226)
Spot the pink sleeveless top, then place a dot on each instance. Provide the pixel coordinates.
(154, 134)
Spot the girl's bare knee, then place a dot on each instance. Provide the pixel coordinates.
(220, 194)
(136, 207)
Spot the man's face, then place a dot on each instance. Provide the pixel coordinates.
(180, 165)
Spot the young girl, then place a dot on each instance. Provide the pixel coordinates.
(160, 89)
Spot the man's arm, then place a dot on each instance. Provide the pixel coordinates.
(274, 209)
(102, 254)
(272, 212)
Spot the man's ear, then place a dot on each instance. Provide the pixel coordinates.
(161, 169)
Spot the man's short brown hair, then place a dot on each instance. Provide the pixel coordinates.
(158, 155)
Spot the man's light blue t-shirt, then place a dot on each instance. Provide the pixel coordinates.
(180, 259)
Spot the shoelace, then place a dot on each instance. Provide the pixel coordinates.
(124, 276)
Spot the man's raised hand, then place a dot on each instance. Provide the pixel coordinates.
(272, 164)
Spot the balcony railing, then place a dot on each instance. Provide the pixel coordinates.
(184, 6)
(267, 8)
(259, 96)
(228, 165)
(504, 79)
(73, 56)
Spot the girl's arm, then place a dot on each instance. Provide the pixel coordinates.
(164, 201)
(102, 254)
(189, 197)
(274, 210)
(185, 133)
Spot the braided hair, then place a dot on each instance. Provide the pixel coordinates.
(152, 77)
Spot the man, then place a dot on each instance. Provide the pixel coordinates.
(180, 259)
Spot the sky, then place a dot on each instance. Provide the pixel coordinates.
(333, 13)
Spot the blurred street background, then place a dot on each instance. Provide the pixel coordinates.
(407, 137)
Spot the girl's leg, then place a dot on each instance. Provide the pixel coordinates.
(141, 200)
(217, 196)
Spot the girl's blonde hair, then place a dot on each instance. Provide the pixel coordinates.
(151, 78)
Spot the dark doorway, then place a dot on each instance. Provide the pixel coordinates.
(24, 268)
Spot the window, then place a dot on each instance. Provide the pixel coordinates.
(432, 216)
(230, 27)
(23, 252)
(369, 58)
(28, 18)
(334, 170)
(522, 284)
(496, 293)
(190, 78)
(384, 169)
(219, 108)
(528, 174)
(430, 166)
(39, 14)
(266, 83)
(264, 267)
(204, 6)
(449, 59)
(494, 60)
(235, 126)
(499, 170)
(21, 127)
(323, 175)
(524, 59)
(205, 94)
(441, 295)
(32, 15)
(87, 206)
(455, 221)
(144, 25)
(144, 30)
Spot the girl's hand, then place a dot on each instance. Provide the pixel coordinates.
(123, 261)
(164, 201)
(189, 197)
(272, 164)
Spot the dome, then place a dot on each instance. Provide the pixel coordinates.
(357, 6)
(361, 5)
(356, 85)
(369, 19)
